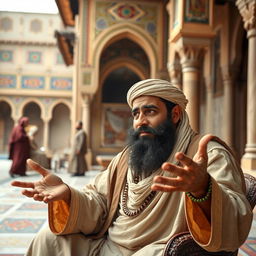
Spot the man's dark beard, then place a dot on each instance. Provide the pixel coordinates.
(148, 153)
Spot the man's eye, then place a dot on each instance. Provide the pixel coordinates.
(150, 111)
(134, 114)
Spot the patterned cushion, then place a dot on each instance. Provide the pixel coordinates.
(183, 244)
(250, 182)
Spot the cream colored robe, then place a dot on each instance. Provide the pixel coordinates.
(168, 214)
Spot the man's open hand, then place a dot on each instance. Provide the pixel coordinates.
(50, 188)
(191, 176)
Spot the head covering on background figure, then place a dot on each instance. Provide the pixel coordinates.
(23, 122)
(79, 125)
(19, 130)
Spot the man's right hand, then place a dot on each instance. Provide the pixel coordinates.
(50, 188)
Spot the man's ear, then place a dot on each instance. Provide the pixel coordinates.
(176, 114)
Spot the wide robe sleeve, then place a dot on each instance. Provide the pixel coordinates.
(87, 211)
(231, 214)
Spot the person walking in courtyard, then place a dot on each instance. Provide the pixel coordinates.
(166, 181)
(19, 148)
(77, 163)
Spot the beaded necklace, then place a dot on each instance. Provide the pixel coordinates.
(147, 201)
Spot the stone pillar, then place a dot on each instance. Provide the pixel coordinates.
(228, 106)
(190, 61)
(209, 105)
(46, 136)
(247, 10)
(86, 114)
(174, 73)
(86, 125)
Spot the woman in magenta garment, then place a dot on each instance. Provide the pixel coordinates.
(19, 148)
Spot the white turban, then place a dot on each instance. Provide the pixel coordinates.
(159, 88)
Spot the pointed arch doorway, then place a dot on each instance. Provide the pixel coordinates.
(122, 63)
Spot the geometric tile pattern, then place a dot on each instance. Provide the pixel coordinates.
(249, 247)
(61, 83)
(32, 82)
(6, 56)
(34, 57)
(126, 11)
(11, 225)
(7, 81)
(144, 16)
(21, 218)
(32, 207)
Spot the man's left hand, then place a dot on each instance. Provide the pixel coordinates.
(190, 176)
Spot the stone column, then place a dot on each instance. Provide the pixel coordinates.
(190, 61)
(86, 125)
(209, 104)
(247, 10)
(46, 136)
(228, 106)
(86, 114)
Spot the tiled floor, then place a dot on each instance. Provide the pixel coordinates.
(21, 218)
(249, 247)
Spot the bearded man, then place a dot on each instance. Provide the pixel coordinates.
(164, 182)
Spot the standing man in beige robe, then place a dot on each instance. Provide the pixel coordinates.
(166, 181)
(77, 163)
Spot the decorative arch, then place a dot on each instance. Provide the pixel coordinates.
(121, 31)
(59, 127)
(65, 102)
(122, 62)
(8, 101)
(30, 100)
(6, 124)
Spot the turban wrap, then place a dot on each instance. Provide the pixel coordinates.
(159, 88)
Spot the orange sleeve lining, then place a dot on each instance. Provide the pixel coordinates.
(198, 223)
(59, 216)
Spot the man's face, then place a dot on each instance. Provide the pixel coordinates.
(153, 135)
(148, 111)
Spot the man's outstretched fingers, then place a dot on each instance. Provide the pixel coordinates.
(28, 193)
(37, 167)
(23, 184)
(185, 160)
(202, 147)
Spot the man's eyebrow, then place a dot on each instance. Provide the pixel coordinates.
(145, 107)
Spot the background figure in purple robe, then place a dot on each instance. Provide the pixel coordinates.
(19, 148)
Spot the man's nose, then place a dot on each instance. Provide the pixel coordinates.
(141, 121)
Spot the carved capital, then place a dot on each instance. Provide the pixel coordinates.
(247, 9)
(86, 100)
(191, 56)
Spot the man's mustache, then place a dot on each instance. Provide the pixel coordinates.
(145, 129)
